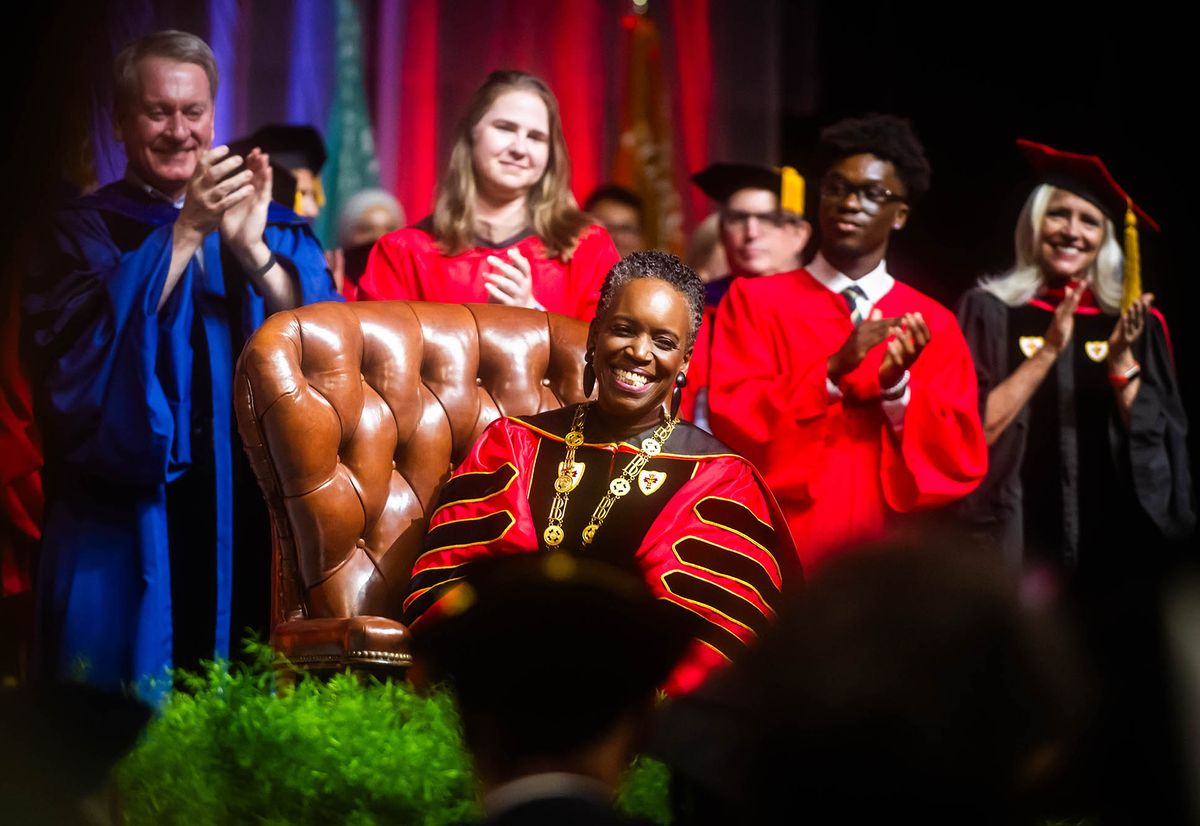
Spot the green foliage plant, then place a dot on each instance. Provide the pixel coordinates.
(232, 746)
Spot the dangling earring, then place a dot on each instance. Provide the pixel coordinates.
(677, 394)
(589, 375)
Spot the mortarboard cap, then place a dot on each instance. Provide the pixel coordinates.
(720, 180)
(1086, 176)
(1089, 178)
(283, 182)
(292, 147)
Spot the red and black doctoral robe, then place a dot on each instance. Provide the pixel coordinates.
(1068, 482)
(699, 527)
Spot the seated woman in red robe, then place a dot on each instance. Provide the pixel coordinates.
(1081, 410)
(505, 227)
(623, 480)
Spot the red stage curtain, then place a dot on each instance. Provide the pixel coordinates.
(447, 47)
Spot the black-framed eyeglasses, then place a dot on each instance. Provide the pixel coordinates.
(739, 219)
(871, 194)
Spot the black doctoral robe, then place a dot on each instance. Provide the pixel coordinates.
(1065, 480)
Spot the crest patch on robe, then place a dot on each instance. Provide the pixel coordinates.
(1030, 345)
(1097, 351)
(650, 481)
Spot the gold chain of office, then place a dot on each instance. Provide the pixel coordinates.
(618, 487)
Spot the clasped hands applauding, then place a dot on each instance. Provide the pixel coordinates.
(220, 197)
(906, 337)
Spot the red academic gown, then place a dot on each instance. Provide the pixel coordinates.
(406, 264)
(699, 527)
(836, 465)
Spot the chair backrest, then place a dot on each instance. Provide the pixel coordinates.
(353, 416)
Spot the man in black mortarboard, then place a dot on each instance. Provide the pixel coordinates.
(300, 151)
(554, 662)
(763, 232)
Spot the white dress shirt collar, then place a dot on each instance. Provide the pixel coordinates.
(875, 284)
(151, 191)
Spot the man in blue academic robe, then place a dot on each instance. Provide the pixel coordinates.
(152, 287)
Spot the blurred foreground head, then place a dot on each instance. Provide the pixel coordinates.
(547, 656)
(911, 683)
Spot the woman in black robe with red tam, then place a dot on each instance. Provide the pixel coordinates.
(1085, 425)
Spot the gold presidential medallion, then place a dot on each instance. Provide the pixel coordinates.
(1097, 351)
(553, 536)
(650, 481)
(1030, 345)
(568, 480)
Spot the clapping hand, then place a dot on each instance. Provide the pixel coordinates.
(213, 190)
(243, 223)
(511, 282)
(1127, 330)
(865, 337)
(910, 335)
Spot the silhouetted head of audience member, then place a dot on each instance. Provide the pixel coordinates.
(554, 662)
(910, 684)
(619, 210)
(57, 746)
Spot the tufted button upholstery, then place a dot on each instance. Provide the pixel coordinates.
(353, 416)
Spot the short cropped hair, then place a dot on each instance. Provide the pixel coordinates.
(888, 137)
(615, 193)
(664, 267)
(174, 45)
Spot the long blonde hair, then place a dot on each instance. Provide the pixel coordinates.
(550, 206)
(1022, 282)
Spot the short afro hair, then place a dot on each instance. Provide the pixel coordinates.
(664, 267)
(884, 136)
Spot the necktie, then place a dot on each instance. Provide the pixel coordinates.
(856, 300)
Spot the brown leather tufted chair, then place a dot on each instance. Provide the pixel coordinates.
(353, 416)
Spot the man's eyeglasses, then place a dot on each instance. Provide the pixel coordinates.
(737, 219)
(871, 195)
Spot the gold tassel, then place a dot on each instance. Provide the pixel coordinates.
(791, 195)
(318, 191)
(1133, 260)
(298, 202)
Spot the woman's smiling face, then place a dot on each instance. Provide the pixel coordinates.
(640, 346)
(511, 144)
(1070, 236)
